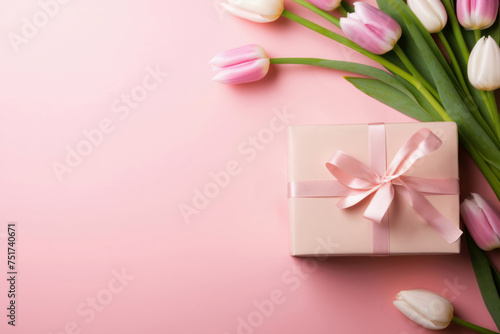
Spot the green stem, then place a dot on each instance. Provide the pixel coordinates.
(382, 61)
(342, 11)
(494, 108)
(465, 53)
(488, 171)
(472, 326)
(491, 104)
(340, 39)
(467, 94)
(489, 99)
(477, 34)
(454, 62)
(455, 26)
(400, 53)
(487, 108)
(318, 11)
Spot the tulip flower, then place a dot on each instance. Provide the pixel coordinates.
(260, 11)
(326, 5)
(484, 65)
(371, 28)
(477, 14)
(482, 221)
(431, 311)
(244, 64)
(431, 13)
(426, 308)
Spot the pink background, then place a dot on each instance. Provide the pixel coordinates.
(225, 269)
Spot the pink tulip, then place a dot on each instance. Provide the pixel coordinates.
(477, 14)
(371, 28)
(482, 221)
(326, 5)
(244, 64)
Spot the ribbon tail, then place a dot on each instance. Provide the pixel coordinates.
(380, 203)
(355, 198)
(446, 186)
(448, 231)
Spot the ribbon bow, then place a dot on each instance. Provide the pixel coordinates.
(364, 181)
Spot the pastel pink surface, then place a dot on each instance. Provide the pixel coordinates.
(118, 212)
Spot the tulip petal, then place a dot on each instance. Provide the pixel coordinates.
(478, 226)
(463, 13)
(491, 224)
(428, 309)
(326, 5)
(244, 64)
(431, 13)
(489, 211)
(371, 28)
(254, 17)
(483, 68)
(238, 55)
(484, 13)
(260, 11)
(379, 22)
(413, 315)
(477, 14)
(243, 72)
(263, 7)
(357, 32)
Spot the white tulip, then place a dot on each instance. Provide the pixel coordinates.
(431, 13)
(261, 11)
(484, 65)
(426, 308)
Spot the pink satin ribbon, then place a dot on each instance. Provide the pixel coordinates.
(355, 182)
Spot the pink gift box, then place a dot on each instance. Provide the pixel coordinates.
(320, 228)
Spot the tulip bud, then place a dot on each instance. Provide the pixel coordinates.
(326, 5)
(482, 221)
(371, 28)
(244, 64)
(484, 65)
(477, 14)
(260, 11)
(424, 307)
(431, 13)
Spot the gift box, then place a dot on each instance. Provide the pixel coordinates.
(374, 189)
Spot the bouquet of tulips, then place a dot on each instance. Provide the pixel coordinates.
(442, 63)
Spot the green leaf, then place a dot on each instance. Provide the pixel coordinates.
(390, 96)
(407, 19)
(421, 100)
(347, 66)
(452, 19)
(451, 99)
(392, 83)
(393, 58)
(474, 99)
(496, 277)
(347, 7)
(485, 279)
(485, 168)
(469, 37)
